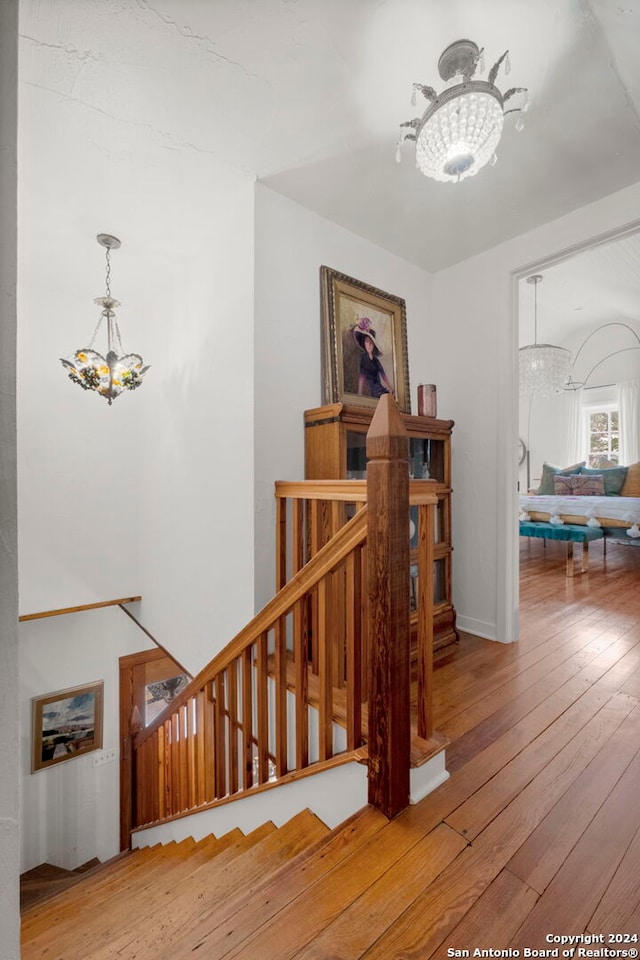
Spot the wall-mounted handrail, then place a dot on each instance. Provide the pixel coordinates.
(85, 606)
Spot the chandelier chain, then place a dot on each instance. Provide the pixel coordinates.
(108, 278)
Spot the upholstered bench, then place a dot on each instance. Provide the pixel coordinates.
(569, 532)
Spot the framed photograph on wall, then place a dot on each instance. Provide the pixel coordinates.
(364, 342)
(66, 724)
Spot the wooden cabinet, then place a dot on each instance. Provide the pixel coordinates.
(335, 449)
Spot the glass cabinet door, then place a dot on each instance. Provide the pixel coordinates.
(439, 582)
(426, 459)
(439, 534)
(356, 455)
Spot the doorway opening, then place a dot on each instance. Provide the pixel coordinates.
(148, 682)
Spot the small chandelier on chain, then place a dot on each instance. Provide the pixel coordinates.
(460, 129)
(111, 374)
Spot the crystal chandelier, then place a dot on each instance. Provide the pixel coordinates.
(543, 368)
(111, 374)
(460, 129)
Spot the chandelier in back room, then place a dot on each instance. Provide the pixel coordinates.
(543, 368)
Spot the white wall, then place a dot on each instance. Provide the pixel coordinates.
(291, 245)
(196, 454)
(153, 495)
(475, 339)
(9, 758)
(70, 812)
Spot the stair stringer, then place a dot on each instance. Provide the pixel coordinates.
(333, 795)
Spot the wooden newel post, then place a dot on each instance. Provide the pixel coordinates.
(389, 593)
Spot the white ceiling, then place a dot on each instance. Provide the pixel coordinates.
(308, 95)
(599, 285)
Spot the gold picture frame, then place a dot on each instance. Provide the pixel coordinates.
(66, 724)
(364, 342)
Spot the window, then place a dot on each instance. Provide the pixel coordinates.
(603, 433)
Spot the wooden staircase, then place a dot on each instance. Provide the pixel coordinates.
(332, 647)
(299, 890)
(152, 897)
(44, 881)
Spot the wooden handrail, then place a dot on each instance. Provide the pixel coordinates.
(420, 491)
(345, 490)
(79, 609)
(351, 535)
(332, 645)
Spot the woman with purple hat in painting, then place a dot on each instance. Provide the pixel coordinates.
(373, 381)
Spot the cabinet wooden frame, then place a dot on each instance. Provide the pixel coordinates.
(328, 431)
(346, 304)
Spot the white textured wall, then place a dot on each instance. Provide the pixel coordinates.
(291, 245)
(196, 454)
(475, 339)
(154, 494)
(9, 763)
(71, 811)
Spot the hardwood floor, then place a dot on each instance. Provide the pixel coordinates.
(536, 834)
(545, 766)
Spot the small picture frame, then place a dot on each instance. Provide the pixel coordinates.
(364, 342)
(66, 724)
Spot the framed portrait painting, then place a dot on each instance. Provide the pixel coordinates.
(364, 342)
(66, 724)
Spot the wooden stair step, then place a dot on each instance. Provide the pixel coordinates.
(317, 903)
(208, 889)
(84, 930)
(115, 898)
(225, 928)
(45, 872)
(108, 871)
(97, 887)
(43, 882)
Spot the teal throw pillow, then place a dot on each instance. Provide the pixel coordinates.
(549, 472)
(613, 478)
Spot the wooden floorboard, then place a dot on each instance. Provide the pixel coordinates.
(539, 858)
(546, 765)
(497, 915)
(536, 832)
(575, 892)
